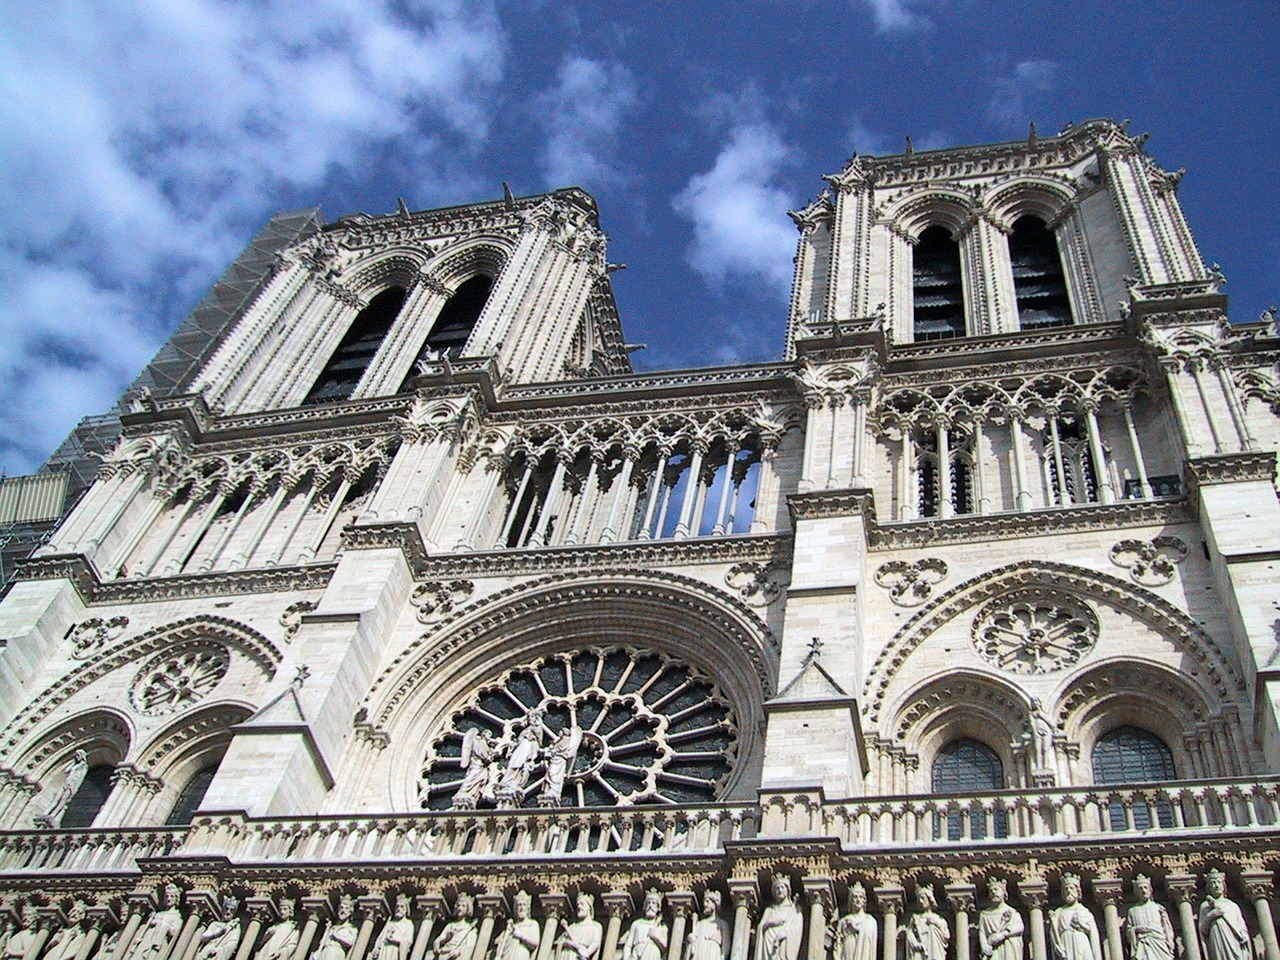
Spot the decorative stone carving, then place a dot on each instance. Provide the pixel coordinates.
(577, 711)
(282, 936)
(1149, 562)
(1039, 736)
(647, 937)
(436, 599)
(1034, 636)
(90, 636)
(457, 941)
(519, 939)
(1147, 926)
(1073, 933)
(66, 942)
(73, 775)
(291, 618)
(911, 584)
(753, 583)
(781, 924)
(927, 933)
(1221, 922)
(220, 938)
(1000, 927)
(22, 939)
(157, 935)
(853, 936)
(167, 683)
(395, 939)
(581, 939)
(340, 935)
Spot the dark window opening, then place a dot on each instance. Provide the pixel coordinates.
(936, 285)
(452, 329)
(1132, 755)
(1162, 486)
(967, 766)
(192, 795)
(1038, 282)
(342, 373)
(89, 799)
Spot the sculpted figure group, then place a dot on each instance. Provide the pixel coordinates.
(1147, 931)
(500, 773)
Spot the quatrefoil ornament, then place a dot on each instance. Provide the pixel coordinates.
(1149, 562)
(911, 584)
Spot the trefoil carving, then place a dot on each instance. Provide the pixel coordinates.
(1149, 562)
(911, 584)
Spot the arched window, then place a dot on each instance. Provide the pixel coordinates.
(89, 799)
(342, 373)
(1068, 462)
(967, 766)
(959, 487)
(1038, 282)
(190, 798)
(936, 286)
(1134, 755)
(453, 326)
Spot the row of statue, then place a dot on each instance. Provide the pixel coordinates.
(925, 934)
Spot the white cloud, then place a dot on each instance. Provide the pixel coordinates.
(1011, 100)
(897, 15)
(582, 117)
(147, 139)
(739, 212)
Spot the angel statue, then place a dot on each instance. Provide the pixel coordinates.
(521, 760)
(479, 751)
(559, 757)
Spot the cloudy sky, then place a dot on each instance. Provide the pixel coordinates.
(145, 141)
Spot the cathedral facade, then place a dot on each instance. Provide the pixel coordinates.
(403, 619)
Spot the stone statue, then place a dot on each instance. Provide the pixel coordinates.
(709, 935)
(395, 939)
(647, 937)
(221, 937)
(340, 935)
(1073, 933)
(478, 754)
(1147, 926)
(519, 941)
(20, 941)
(1222, 926)
(161, 929)
(1000, 927)
(854, 935)
(581, 939)
(73, 775)
(559, 758)
(66, 943)
(927, 933)
(457, 940)
(521, 760)
(1041, 729)
(781, 925)
(282, 936)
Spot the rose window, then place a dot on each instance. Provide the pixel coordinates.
(171, 681)
(597, 727)
(1034, 636)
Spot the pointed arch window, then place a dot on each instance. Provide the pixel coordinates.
(1038, 281)
(453, 326)
(937, 289)
(90, 798)
(1134, 755)
(192, 795)
(968, 766)
(342, 373)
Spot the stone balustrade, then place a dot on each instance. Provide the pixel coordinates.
(85, 851)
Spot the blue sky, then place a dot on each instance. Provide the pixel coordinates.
(146, 142)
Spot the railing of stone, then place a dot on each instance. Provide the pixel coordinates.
(85, 851)
(1236, 805)
(521, 833)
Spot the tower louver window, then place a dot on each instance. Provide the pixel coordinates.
(342, 373)
(937, 288)
(1038, 282)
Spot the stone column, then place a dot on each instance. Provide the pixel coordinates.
(137, 903)
(431, 907)
(1139, 463)
(766, 491)
(682, 906)
(890, 900)
(554, 907)
(1108, 892)
(371, 906)
(44, 927)
(491, 905)
(316, 909)
(690, 492)
(821, 894)
(743, 894)
(1258, 887)
(199, 903)
(617, 904)
(1022, 496)
(961, 898)
(1105, 490)
(1035, 894)
(555, 490)
(261, 909)
(1182, 890)
(621, 490)
(100, 916)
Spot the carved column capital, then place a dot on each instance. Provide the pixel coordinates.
(682, 903)
(891, 899)
(372, 905)
(617, 903)
(1258, 884)
(820, 890)
(1035, 893)
(1108, 890)
(961, 896)
(491, 905)
(554, 904)
(431, 905)
(262, 909)
(317, 908)
(743, 893)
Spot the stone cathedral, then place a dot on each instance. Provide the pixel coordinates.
(398, 618)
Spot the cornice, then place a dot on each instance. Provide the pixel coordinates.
(95, 591)
(824, 504)
(1029, 346)
(600, 390)
(630, 556)
(1231, 468)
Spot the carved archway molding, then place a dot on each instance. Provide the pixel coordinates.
(102, 729)
(1099, 588)
(195, 729)
(171, 638)
(517, 621)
